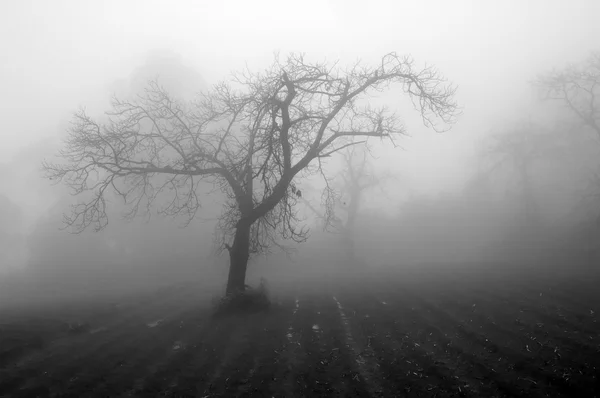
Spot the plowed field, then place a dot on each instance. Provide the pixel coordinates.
(438, 334)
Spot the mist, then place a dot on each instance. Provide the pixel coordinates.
(510, 188)
(66, 55)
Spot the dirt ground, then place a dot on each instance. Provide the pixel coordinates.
(405, 334)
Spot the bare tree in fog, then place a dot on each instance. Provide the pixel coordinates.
(181, 81)
(357, 177)
(577, 87)
(250, 137)
(520, 148)
(11, 235)
(518, 155)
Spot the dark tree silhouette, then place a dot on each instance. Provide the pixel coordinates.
(250, 138)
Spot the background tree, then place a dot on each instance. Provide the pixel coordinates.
(530, 160)
(577, 88)
(348, 189)
(12, 253)
(250, 138)
(168, 67)
(519, 148)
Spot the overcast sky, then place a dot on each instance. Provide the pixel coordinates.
(57, 55)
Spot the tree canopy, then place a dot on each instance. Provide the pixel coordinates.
(249, 138)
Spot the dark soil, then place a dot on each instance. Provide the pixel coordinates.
(402, 334)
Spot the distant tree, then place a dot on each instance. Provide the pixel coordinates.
(358, 176)
(168, 67)
(11, 238)
(577, 87)
(11, 215)
(355, 179)
(250, 138)
(520, 149)
(344, 195)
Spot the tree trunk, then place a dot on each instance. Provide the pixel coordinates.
(349, 248)
(350, 226)
(239, 253)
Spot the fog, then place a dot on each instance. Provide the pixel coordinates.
(456, 198)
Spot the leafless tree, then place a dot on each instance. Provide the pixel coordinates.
(345, 194)
(250, 138)
(358, 177)
(578, 88)
(519, 148)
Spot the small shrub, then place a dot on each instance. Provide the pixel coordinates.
(246, 301)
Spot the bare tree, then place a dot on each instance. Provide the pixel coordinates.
(358, 177)
(520, 147)
(250, 137)
(345, 194)
(578, 88)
